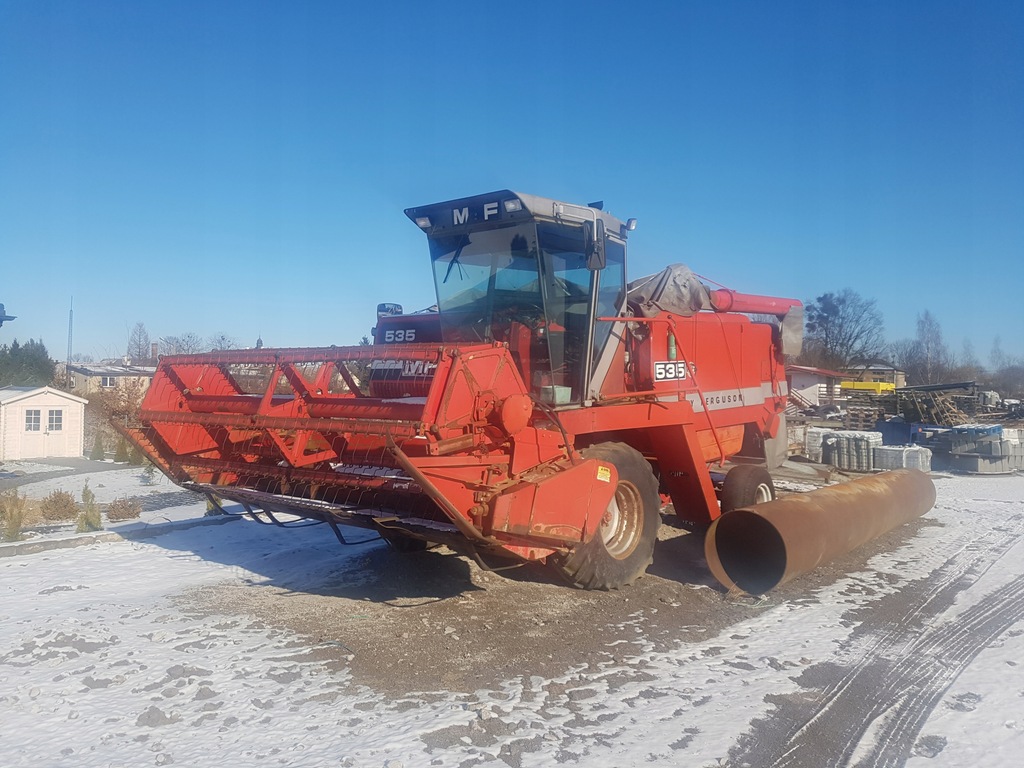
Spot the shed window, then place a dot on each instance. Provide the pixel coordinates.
(32, 419)
(55, 423)
(107, 381)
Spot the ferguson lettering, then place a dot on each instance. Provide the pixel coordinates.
(729, 399)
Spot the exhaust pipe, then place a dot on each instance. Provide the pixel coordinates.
(760, 547)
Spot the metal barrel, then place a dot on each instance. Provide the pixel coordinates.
(757, 548)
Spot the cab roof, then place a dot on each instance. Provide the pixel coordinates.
(503, 207)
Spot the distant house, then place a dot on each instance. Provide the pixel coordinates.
(39, 422)
(813, 386)
(86, 378)
(878, 371)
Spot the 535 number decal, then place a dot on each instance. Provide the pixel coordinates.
(669, 371)
(398, 336)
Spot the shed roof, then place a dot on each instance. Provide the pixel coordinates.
(816, 371)
(13, 394)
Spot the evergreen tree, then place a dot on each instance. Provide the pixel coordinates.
(25, 365)
(97, 448)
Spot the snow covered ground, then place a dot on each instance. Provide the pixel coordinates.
(916, 659)
(161, 500)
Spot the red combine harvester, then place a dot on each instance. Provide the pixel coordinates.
(536, 416)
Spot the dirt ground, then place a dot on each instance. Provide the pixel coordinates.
(439, 622)
(886, 637)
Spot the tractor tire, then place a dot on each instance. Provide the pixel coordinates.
(745, 485)
(623, 546)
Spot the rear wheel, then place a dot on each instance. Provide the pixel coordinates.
(746, 485)
(623, 546)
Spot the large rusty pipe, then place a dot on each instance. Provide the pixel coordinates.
(757, 548)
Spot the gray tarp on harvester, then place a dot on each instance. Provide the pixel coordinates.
(675, 289)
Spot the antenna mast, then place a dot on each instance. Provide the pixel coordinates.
(71, 325)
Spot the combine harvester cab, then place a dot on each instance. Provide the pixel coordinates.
(539, 415)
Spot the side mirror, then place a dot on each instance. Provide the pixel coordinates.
(593, 244)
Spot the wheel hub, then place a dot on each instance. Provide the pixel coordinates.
(622, 521)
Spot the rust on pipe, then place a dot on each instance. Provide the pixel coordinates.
(760, 547)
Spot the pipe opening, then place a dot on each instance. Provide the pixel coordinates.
(750, 550)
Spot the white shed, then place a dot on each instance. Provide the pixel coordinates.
(814, 386)
(39, 422)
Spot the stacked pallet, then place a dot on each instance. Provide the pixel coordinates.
(930, 408)
(865, 409)
(862, 418)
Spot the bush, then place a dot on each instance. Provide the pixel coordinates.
(58, 507)
(135, 457)
(124, 509)
(97, 454)
(121, 456)
(12, 514)
(148, 474)
(89, 519)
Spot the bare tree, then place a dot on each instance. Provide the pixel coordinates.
(935, 355)
(965, 366)
(1009, 379)
(925, 358)
(904, 355)
(186, 344)
(122, 401)
(138, 343)
(967, 357)
(842, 328)
(997, 358)
(222, 341)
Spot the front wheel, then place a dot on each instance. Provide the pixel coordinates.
(623, 546)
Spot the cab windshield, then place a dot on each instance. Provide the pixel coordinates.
(528, 286)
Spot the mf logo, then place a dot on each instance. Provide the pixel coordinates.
(461, 215)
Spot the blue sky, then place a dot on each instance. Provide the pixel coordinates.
(241, 168)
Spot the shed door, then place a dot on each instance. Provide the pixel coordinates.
(54, 431)
(33, 438)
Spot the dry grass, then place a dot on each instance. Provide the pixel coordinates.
(12, 515)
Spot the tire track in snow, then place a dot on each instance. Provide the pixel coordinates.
(871, 716)
(921, 678)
